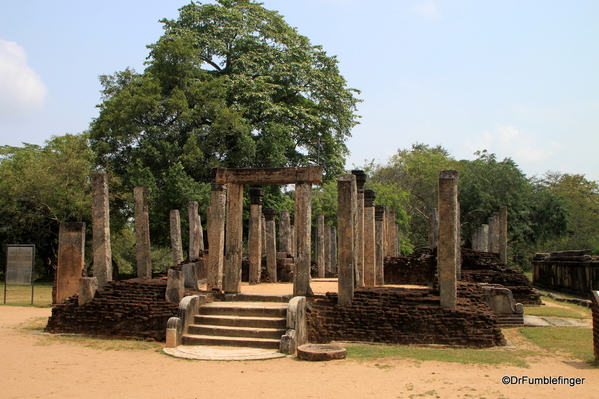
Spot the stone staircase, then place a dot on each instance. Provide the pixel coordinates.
(255, 321)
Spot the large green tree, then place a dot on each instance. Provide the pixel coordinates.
(229, 84)
(40, 187)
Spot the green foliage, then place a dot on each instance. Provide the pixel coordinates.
(228, 85)
(40, 187)
(582, 201)
(413, 176)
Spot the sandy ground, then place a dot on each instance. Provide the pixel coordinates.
(33, 366)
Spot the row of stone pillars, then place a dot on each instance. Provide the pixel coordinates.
(367, 234)
(492, 237)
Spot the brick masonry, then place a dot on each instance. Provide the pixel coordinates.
(133, 309)
(480, 267)
(595, 300)
(405, 316)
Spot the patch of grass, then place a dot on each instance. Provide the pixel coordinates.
(481, 356)
(576, 342)
(20, 295)
(545, 311)
(35, 324)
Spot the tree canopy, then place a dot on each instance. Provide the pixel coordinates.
(229, 84)
(40, 187)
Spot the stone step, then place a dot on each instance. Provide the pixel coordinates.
(245, 309)
(208, 340)
(237, 321)
(226, 331)
(241, 297)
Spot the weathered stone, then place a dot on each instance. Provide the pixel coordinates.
(176, 243)
(346, 209)
(447, 256)
(190, 276)
(71, 257)
(142, 232)
(255, 235)
(321, 352)
(175, 287)
(270, 242)
(87, 289)
(101, 229)
(196, 234)
(379, 248)
(216, 237)
(503, 234)
(303, 230)
(233, 237)
(320, 247)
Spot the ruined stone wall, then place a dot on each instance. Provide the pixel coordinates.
(124, 309)
(569, 271)
(419, 268)
(477, 266)
(405, 316)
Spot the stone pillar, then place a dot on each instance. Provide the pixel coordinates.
(87, 290)
(327, 250)
(142, 232)
(503, 234)
(346, 210)
(359, 227)
(71, 256)
(334, 267)
(303, 234)
(369, 239)
(285, 232)
(175, 286)
(176, 242)
(447, 247)
(270, 243)
(320, 247)
(484, 238)
(379, 250)
(433, 229)
(196, 234)
(476, 239)
(494, 233)
(255, 234)
(392, 234)
(101, 229)
(233, 239)
(293, 242)
(216, 237)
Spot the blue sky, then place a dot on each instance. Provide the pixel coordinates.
(517, 78)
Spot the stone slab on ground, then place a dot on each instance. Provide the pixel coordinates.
(535, 321)
(566, 322)
(222, 353)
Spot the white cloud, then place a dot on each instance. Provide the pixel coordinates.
(427, 9)
(21, 88)
(507, 141)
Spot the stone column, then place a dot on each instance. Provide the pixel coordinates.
(101, 229)
(255, 234)
(334, 267)
(503, 234)
(216, 237)
(369, 239)
(433, 229)
(233, 239)
(142, 232)
(87, 290)
(285, 232)
(270, 242)
(484, 238)
(379, 250)
(494, 233)
(346, 209)
(320, 247)
(392, 234)
(71, 256)
(476, 239)
(447, 248)
(327, 250)
(176, 242)
(303, 233)
(196, 234)
(359, 227)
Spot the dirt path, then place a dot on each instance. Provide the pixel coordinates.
(34, 366)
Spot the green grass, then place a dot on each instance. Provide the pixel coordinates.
(566, 310)
(576, 342)
(480, 356)
(20, 295)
